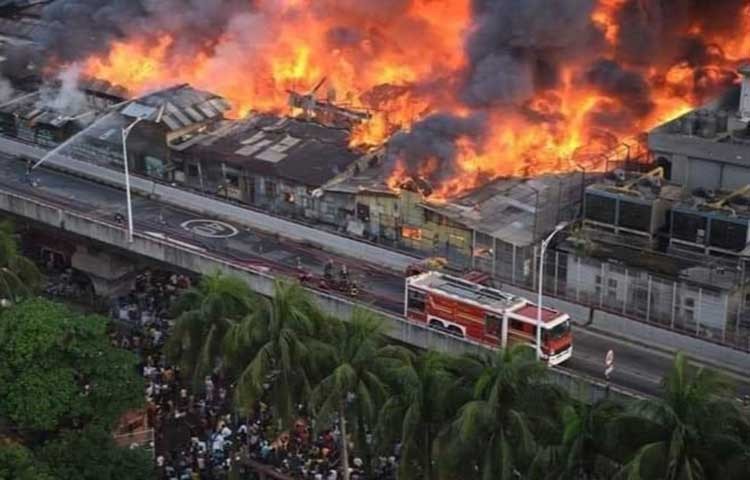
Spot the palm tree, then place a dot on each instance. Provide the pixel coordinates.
(355, 384)
(19, 277)
(582, 452)
(493, 436)
(206, 313)
(688, 433)
(419, 409)
(274, 351)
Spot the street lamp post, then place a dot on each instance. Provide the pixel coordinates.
(125, 133)
(545, 243)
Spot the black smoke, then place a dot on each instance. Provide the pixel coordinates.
(76, 29)
(515, 47)
(629, 87)
(433, 141)
(658, 31)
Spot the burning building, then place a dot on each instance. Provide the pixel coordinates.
(472, 91)
(462, 128)
(59, 110)
(271, 162)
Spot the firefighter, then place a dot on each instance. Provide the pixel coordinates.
(344, 274)
(328, 270)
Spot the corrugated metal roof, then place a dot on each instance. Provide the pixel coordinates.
(137, 110)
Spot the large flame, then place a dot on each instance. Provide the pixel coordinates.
(288, 45)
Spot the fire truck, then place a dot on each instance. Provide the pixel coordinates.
(466, 309)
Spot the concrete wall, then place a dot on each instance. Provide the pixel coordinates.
(196, 260)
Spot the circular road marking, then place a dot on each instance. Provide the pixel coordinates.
(210, 228)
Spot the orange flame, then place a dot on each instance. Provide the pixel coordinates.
(286, 45)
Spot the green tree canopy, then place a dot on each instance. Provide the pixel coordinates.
(58, 369)
(18, 463)
(91, 454)
(496, 433)
(274, 352)
(18, 275)
(205, 313)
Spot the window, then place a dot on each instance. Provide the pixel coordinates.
(270, 189)
(411, 232)
(154, 167)
(192, 170)
(416, 300)
(456, 239)
(612, 283)
(363, 212)
(690, 302)
(598, 280)
(493, 323)
(233, 180)
(558, 331)
(516, 325)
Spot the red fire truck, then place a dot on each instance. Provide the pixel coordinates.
(466, 309)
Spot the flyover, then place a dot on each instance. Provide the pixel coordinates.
(260, 245)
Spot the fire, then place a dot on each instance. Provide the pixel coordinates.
(404, 65)
(293, 49)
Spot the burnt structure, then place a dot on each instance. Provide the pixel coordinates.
(53, 114)
(276, 163)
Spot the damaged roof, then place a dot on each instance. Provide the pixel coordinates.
(43, 106)
(301, 151)
(515, 210)
(179, 107)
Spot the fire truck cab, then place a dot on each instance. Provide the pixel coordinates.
(467, 309)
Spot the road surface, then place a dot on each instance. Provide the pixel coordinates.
(636, 368)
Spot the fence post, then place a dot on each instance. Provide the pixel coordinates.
(601, 286)
(700, 309)
(557, 269)
(494, 259)
(625, 297)
(648, 300)
(726, 319)
(578, 278)
(674, 303)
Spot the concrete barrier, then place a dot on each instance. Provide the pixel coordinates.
(196, 259)
(648, 335)
(672, 341)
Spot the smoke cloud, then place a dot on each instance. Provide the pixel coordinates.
(64, 96)
(430, 148)
(515, 46)
(6, 90)
(516, 56)
(82, 27)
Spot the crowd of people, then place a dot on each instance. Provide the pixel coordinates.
(197, 435)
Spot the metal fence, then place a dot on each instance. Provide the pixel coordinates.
(714, 309)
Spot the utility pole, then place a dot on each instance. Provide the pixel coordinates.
(545, 243)
(125, 134)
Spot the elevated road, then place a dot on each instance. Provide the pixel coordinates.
(262, 255)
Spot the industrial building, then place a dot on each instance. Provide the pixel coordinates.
(493, 228)
(660, 251)
(52, 114)
(708, 148)
(271, 162)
